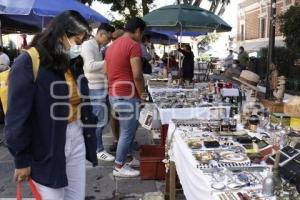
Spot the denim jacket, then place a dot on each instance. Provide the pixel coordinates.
(36, 120)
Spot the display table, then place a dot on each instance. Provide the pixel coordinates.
(167, 114)
(196, 183)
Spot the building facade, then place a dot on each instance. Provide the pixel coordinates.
(253, 23)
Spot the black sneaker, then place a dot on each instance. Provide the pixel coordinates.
(113, 147)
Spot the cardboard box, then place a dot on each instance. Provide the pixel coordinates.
(295, 123)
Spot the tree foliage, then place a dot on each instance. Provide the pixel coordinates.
(127, 8)
(290, 23)
(217, 6)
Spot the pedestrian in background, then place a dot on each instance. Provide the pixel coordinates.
(229, 59)
(243, 58)
(187, 69)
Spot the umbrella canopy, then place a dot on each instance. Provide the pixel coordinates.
(158, 37)
(185, 18)
(39, 12)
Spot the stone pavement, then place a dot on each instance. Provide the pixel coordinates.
(101, 185)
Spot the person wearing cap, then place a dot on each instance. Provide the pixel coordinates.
(93, 56)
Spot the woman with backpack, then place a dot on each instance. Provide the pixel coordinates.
(47, 115)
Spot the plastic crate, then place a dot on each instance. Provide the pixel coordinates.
(152, 167)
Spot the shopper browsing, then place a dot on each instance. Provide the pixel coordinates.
(126, 89)
(93, 55)
(44, 121)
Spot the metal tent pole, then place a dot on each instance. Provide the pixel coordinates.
(271, 46)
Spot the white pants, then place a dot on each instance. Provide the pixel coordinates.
(75, 167)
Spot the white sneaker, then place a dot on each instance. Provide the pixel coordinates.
(134, 163)
(104, 156)
(126, 172)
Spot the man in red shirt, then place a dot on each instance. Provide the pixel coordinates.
(126, 89)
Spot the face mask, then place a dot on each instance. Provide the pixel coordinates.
(74, 51)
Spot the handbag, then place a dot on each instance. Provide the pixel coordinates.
(33, 189)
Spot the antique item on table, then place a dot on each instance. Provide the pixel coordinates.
(217, 113)
(287, 154)
(225, 125)
(290, 171)
(195, 144)
(215, 126)
(211, 144)
(218, 180)
(228, 157)
(255, 158)
(218, 186)
(273, 79)
(278, 93)
(204, 157)
(253, 122)
(148, 121)
(268, 185)
(292, 107)
(232, 125)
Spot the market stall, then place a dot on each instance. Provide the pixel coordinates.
(193, 150)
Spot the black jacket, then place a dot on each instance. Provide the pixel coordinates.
(187, 64)
(35, 135)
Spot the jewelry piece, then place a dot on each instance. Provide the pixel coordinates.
(220, 196)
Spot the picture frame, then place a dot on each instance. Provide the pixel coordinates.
(148, 121)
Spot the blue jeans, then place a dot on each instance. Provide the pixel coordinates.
(100, 105)
(127, 111)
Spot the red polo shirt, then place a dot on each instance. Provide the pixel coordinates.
(119, 73)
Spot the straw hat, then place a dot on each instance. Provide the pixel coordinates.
(248, 78)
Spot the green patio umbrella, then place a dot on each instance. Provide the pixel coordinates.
(185, 18)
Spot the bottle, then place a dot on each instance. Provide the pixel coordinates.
(268, 185)
(253, 122)
(169, 78)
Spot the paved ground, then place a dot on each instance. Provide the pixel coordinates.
(100, 183)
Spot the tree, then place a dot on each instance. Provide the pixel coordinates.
(127, 8)
(217, 6)
(290, 23)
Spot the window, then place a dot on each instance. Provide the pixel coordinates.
(262, 27)
(242, 33)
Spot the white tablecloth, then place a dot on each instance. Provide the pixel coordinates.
(167, 114)
(195, 184)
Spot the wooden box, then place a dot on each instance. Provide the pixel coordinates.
(273, 106)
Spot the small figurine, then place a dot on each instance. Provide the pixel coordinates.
(273, 79)
(280, 89)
